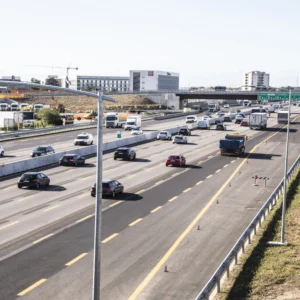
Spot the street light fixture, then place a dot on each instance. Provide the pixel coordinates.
(98, 212)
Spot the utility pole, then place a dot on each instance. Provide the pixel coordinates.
(67, 79)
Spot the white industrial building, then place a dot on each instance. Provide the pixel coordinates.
(256, 80)
(103, 83)
(149, 80)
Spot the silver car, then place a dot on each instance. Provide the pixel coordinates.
(180, 139)
(164, 135)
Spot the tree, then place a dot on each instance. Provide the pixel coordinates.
(114, 90)
(34, 80)
(49, 117)
(52, 81)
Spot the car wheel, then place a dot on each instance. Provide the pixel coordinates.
(166, 165)
(2, 153)
(115, 158)
(38, 186)
(83, 162)
(76, 164)
(134, 157)
(122, 191)
(48, 183)
(92, 142)
(19, 186)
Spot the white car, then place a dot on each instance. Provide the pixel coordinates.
(211, 120)
(84, 139)
(226, 106)
(136, 131)
(1, 151)
(164, 135)
(240, 117)
(180, 139)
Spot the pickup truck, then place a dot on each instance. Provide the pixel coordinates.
(233, 144)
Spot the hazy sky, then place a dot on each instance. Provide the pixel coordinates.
(209, 42)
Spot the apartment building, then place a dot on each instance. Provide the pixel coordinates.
(256, 80)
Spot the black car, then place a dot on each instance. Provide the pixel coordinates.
(125, 153)
(72, 160)
(109, 188)
(33, 179)
(184, 131)
(42, 150)
(227, 119)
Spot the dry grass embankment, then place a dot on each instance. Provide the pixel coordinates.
(270, 272)
(84, 103)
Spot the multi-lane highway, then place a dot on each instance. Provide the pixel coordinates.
(151, 226)
(21, 148)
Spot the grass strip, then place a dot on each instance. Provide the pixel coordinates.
(265, 271)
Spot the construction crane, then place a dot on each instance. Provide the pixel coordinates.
(59, 67)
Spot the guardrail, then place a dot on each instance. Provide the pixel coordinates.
(44, 130)
(213, 286)
(30, 132)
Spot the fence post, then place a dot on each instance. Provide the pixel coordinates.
(227, 269)
(218, 283)
(236, 257)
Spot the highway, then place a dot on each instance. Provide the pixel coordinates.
(21, 149)
(140, 226)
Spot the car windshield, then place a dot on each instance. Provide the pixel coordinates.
(28, 176)
(68, 157)
(183, 130)
(122, 150)
(162, 132)
(173, 157)
(179, 137)
(81, 137)
(40, 148)
(105, 185)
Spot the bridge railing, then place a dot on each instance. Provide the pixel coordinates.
(213, 285)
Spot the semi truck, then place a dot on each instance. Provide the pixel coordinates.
(282, 117)
(213, 107)
(115, 120)
(10, 119)
(258, 121)
(233, 144)
(247, 103)
(133, 122)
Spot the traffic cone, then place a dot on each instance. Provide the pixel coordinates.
(217, 201)
(166, 269)
(198, 227)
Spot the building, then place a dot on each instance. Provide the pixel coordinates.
(103, 83)
(9, 78)
(53, 79)
(144, 80)
(256, 80)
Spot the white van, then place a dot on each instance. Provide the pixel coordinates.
(204, 124)
(38, 107)
(191, 119)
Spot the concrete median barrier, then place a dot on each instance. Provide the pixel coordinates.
(43, 161)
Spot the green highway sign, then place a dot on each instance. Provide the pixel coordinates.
(278, 96)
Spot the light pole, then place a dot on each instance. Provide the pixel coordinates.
(98, 206)
(98, 212)
(282, 240)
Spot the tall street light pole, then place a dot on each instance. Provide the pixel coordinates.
(282, 239)
(98, 207)
(67, 79)
(98, 211)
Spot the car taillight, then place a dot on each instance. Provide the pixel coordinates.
(35, 180)
(71, 160)
(108, 189)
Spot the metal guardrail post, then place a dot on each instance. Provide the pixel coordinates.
(218, 283)
(249, 237)
(227, 264)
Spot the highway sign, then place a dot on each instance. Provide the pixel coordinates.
(278, 96)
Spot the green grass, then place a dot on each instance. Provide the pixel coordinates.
(270, 272)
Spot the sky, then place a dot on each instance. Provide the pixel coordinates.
(209, 42)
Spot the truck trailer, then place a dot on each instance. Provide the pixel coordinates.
(133, 122)
(233, 144)
(115, 120)
(10, 118)
(258, 121)
(282, 117)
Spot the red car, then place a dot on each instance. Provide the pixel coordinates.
(176, 160)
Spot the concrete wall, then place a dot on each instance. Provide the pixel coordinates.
(38, 162)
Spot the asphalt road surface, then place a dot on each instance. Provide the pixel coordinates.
(140, 227)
